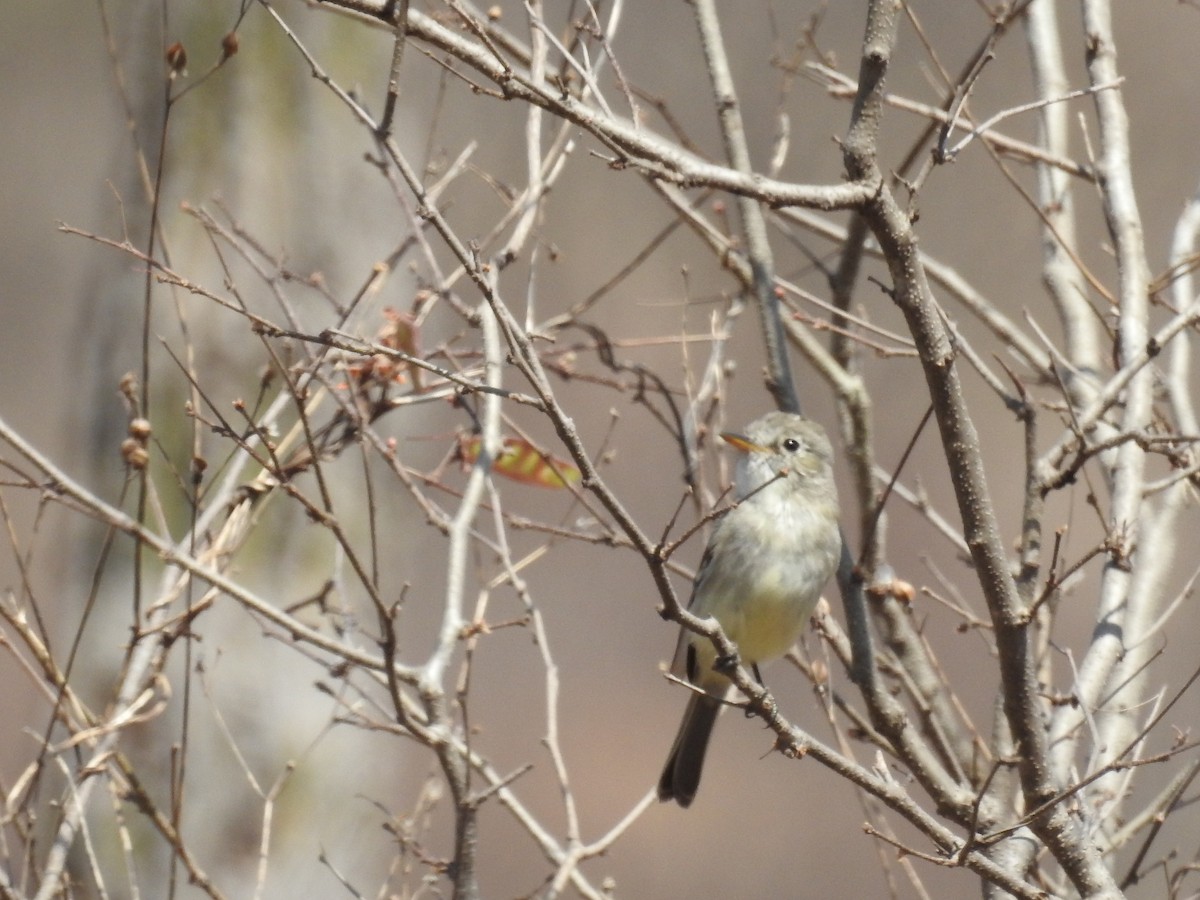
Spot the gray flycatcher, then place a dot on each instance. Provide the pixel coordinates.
(761, 574)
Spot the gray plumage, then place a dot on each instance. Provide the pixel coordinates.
(761, 575)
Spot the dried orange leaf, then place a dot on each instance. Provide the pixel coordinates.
(400, 332)
(520, 461)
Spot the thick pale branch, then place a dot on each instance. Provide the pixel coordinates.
(754, 224)
(633, 144)
(960, 441)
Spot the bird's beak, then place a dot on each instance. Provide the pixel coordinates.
(742, 443)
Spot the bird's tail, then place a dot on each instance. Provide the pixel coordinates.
(681, 774)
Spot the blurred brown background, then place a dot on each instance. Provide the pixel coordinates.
(265, 138)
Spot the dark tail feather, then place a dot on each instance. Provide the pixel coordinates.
(681, 775)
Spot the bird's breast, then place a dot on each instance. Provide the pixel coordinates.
(770, 562)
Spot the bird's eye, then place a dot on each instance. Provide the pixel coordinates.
(791, 445)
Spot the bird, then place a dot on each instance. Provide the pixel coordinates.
(761, 574)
